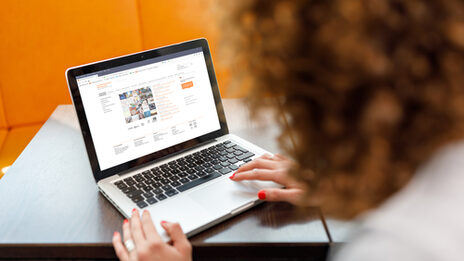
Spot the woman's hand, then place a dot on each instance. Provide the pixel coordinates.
(272, 168)
(147, 243)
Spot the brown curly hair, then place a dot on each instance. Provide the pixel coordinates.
(371, 88)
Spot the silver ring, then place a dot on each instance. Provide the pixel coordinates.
(129, 245)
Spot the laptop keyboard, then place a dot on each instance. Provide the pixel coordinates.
(159, 183)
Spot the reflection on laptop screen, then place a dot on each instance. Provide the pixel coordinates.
(140, 108)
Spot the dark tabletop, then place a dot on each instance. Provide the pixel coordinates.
(51, 207)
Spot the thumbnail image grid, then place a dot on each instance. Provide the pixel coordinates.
(138, 104)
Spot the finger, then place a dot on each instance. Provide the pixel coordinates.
(149, 228)
(128, 236)
(267, 156)
(293, 195)
(278, 156)
(258, 163)
(179, 240)
(257, 174)
(119, 248)
(136, 228)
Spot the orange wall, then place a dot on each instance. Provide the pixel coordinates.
(40, 39)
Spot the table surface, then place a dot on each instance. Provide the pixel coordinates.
(49, 198)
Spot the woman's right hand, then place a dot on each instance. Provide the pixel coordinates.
(272, 168)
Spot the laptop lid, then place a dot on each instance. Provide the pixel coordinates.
(138, 108)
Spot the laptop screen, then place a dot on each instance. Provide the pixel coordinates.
(143, 107)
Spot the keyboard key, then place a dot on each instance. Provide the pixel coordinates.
(225, 163)
(151, 201)
(146, 188)
(198, 168)
(238, 153)
(137, 199)
(166, 187)
(247, 160)
(161, 197)
(240, 149)
(233, 161)
(192, 177)
(157, 191)
(121, 185)
(184, 180)
(128, 189)
(207, 165)
(229, 145)
(198, 181)
(226, 142)
(117, 183)
(233, 167)
(209, 170)
(230, 150)
(218, 166)
(176, 183)
(225, 171)
(147, 194)
(171, 193)
(134, 193)
(142, 204)
(201, 173)
(245, 156)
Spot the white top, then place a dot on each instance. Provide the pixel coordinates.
(424, 221)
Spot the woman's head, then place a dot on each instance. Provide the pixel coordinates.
(371, 88)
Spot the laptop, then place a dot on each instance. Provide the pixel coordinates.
(157, 138)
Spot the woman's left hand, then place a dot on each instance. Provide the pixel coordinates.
(147, 243)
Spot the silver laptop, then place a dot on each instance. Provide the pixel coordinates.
(157, 138)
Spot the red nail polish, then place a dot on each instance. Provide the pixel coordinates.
(231, 177)
(262, 195)
(133, 210)
(162, 222)
(115, 233)
(126, 221)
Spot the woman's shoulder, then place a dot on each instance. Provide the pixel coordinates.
(423, 221)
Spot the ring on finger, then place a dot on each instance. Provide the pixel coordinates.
(129, 245)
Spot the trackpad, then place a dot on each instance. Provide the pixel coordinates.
(225, 195)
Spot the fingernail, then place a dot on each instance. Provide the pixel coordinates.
(115, 233)
(231, 177)
(126, 221)
(145, 211)
(163, 222)
(133, 210)
(262, 195)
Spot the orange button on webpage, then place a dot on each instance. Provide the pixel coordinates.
(187, 85)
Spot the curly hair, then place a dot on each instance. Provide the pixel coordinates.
(371, 88)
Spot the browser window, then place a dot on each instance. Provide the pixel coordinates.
(137, 109)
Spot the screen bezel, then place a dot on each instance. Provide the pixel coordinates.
(74, 72)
